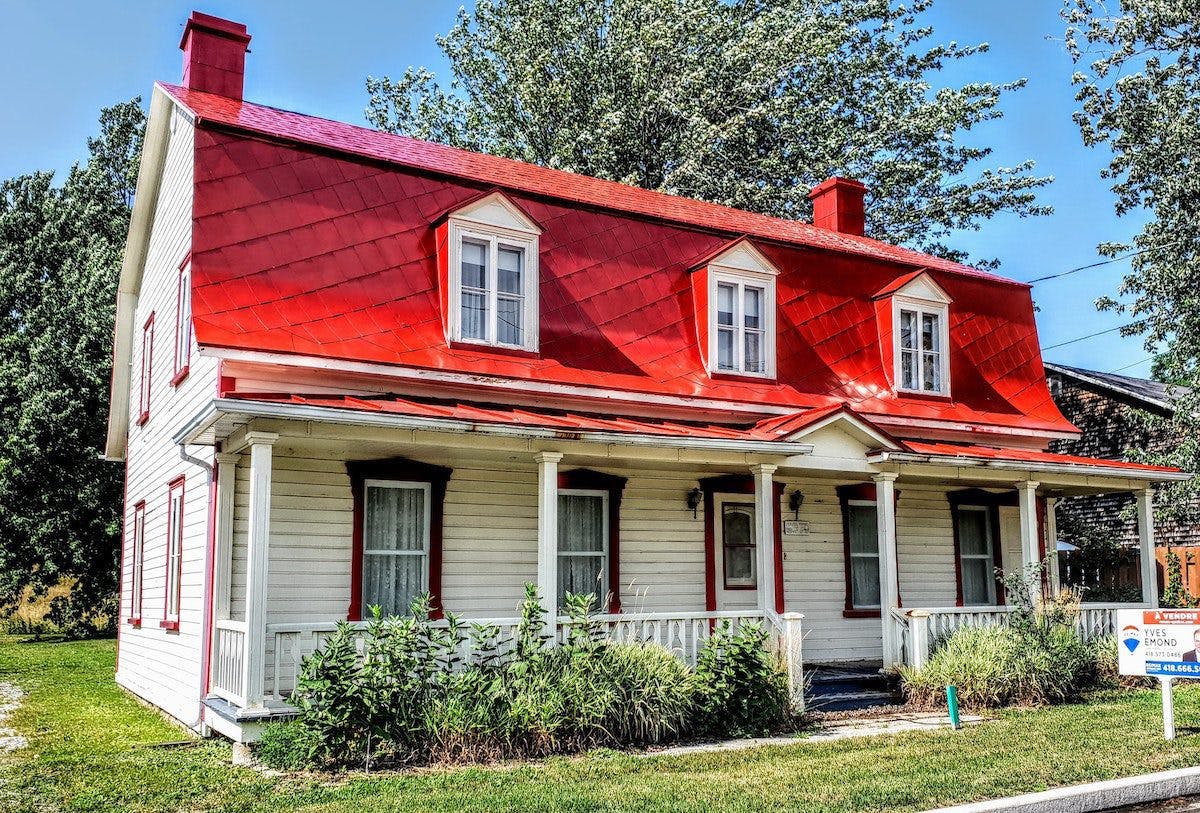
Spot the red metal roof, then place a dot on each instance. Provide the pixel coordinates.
(1024, 456)
(313, 237)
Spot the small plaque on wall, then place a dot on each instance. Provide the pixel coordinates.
(794, 527)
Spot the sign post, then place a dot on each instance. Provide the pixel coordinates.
(1160, 643)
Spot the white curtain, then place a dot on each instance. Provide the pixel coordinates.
(864, 556)
(394, 547)
(975, 551)
(582, 546)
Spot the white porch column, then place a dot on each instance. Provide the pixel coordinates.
(547, 571)
(257, 549)
(889, 589)
(1027, 505)
(1052, 543)
(1145, 510)
(223, 555)
(764, 518)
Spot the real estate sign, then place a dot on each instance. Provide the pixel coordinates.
(1159, 643)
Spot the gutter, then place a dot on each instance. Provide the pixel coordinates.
(1031, 466)
(304, 412)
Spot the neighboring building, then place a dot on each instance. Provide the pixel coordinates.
(1110, 411)
(351, 367)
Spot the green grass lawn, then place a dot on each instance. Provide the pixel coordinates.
(92, 748)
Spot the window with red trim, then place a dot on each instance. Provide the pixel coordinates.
(147, 368)
(397, 550)
(860, 539)
(977, 551)
(137, 577)
(174, 554)
(589, 536)
(183, 324)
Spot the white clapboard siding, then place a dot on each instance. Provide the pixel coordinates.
(163, 666)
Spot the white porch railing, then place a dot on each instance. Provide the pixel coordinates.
(682, 633)
(921, 631)
(229, 661)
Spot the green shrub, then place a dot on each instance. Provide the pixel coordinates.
(740, 690)
(652, 694)
(287, 746)
(1004, 665)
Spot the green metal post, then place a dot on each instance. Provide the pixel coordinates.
(952, 704)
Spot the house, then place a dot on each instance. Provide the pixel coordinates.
(1111, 411)
(352, 367)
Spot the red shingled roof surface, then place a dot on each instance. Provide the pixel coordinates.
(313, 237)
(1023, 456)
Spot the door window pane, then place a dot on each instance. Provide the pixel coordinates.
(583, 546)
(395, 546)
(737, 538)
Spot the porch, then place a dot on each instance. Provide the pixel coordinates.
(863, 559)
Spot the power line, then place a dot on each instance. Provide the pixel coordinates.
(1089, 336)
(1135, 364)
(1101, 262)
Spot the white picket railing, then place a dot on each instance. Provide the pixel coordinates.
(228, 667)
(921, 631)
(682, 633)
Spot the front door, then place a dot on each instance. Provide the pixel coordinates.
(736, 552)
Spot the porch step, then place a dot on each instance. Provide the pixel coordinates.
(837, 687)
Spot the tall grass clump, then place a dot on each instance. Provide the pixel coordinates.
(409, 691)
(1037, 658)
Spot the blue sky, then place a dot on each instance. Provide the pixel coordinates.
(64, 61)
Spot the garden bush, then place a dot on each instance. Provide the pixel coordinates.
(403, 691)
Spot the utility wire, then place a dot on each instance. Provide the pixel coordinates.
(1136, 363)
(1101, 262)
(1089, 336)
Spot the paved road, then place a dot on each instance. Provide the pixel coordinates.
(1184, 804)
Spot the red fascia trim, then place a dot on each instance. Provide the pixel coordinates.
(178, 482)
(398, 468)
(615, 486)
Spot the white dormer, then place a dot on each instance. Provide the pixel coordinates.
(737, 326)
(492, 275)
(920, 334)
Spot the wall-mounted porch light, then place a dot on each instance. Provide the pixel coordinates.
(795, 500)
(694, 498)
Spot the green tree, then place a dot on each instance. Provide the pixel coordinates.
(60, 254)
(747, 103)
(1138, 80)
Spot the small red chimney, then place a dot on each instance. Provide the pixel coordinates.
(838, 205)
(214, 55)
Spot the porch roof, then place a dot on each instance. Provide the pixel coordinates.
(954, 454)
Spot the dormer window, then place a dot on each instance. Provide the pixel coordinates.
(915, 311)
(738, 324)
(492, 275)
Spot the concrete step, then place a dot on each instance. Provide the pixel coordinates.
(851, 701)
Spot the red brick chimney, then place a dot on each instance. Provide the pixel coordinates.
(838, 205)
(214, 55)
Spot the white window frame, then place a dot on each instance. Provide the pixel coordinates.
(494, 237)
(989, 556)
(174, 594)
(423, 553)
(741, 279)
(874, 557)
(922, 308)
(741, 506)
(606, 588)
(138, 565)
(183, 323)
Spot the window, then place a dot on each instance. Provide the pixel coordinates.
(583, 544)
(743, 324)
(138, 544)
(976, 554)
(183, 325)
(395, 533)
(862, 543)
(174, 554)
(493, 275)
(737, 545)
(147, 365)
(922, 350)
